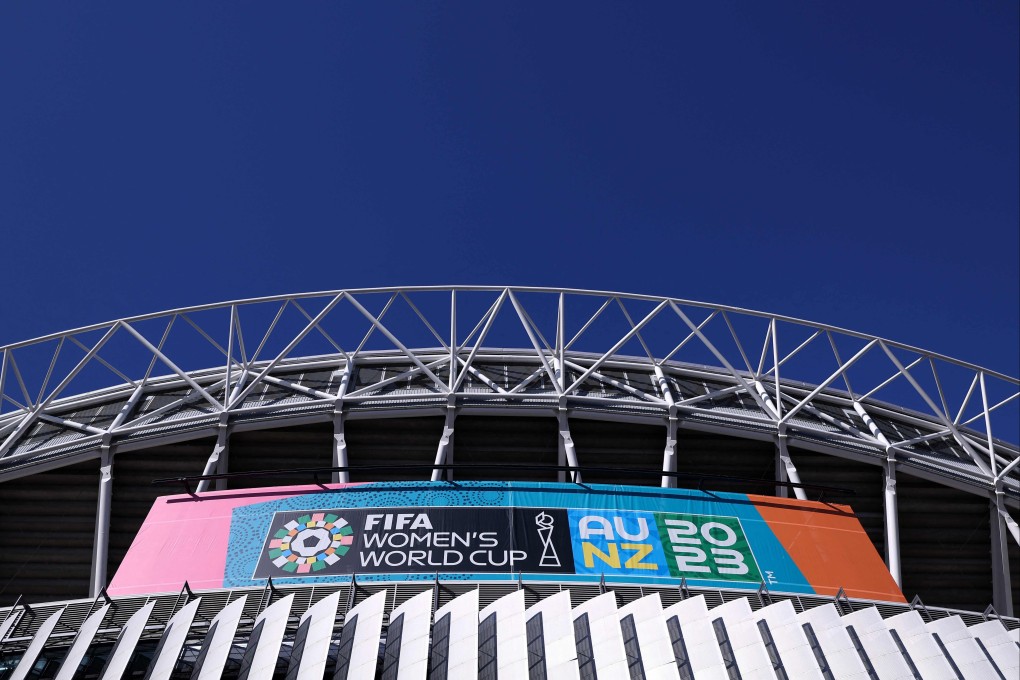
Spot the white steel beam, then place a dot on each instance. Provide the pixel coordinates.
(891, 513)
(444, 452)
(567, 452)
(1002, 593)
(669, 453)
(219, 460)
(101, 544)
(787, 463)
(340, 458)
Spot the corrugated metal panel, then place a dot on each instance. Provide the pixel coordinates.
(63, 501)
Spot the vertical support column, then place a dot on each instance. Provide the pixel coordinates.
(561, 460)
(669, 453)
(781, 490)
(222, 454)
(566, 444)
(444, 452)
(892, 522)
(219, 459)
(340, 458)
(101, 545)
(340, 447)
(1002, 592)
(787, 463)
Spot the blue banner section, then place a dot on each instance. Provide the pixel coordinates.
(547, 531)
(616, 543)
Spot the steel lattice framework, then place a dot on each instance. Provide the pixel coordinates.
(135, 382)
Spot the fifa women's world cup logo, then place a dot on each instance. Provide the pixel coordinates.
(545, 529)
(311, 543)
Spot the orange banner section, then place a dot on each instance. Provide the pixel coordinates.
(830, 547)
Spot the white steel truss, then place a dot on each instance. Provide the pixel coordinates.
(350, 353)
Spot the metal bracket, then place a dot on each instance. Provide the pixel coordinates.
(352, 593)
(763, 593)
(918, 604)
(272, 591)
(841, 596)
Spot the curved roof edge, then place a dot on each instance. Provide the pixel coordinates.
(599, 354)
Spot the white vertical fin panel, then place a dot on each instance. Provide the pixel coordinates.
(882, 651)
(745, 639)
(126, 641)
(462, 654)
(511, 635)
(558, 634)
(317, 624)
(699, 638)
(69, 666)
(965, 652)
(791, 642)
(606, 636)
(924, 651)
(272, 623)
(365, 652)
(1000, 646)
(844, 660)
(170, 644)
(218, 641)
(653, 637)
(414, 640)
(36, 646)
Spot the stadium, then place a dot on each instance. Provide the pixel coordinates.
(493, 482)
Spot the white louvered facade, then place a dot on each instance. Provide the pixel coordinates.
(743, 637)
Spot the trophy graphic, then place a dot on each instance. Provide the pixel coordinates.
(545, 528)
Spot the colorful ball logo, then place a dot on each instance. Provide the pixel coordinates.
(311, 543)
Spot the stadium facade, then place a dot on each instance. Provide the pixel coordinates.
(502, 482)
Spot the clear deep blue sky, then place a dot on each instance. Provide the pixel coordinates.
(849, 163)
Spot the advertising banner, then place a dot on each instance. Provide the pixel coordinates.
(499, 530)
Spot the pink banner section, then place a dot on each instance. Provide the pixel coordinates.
(189, 535)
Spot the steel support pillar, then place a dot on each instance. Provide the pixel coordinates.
(789, 469)
(782, 491)
(444, 452)
(889, 505)
(892, 522)
(340, 448)
(1002, 593)
(340, 458)
(219, 460)
(566, 446)
(101, 545)
(669, 454)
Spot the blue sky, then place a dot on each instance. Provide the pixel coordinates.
(854, 164)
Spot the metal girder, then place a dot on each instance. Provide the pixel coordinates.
(971, 421)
